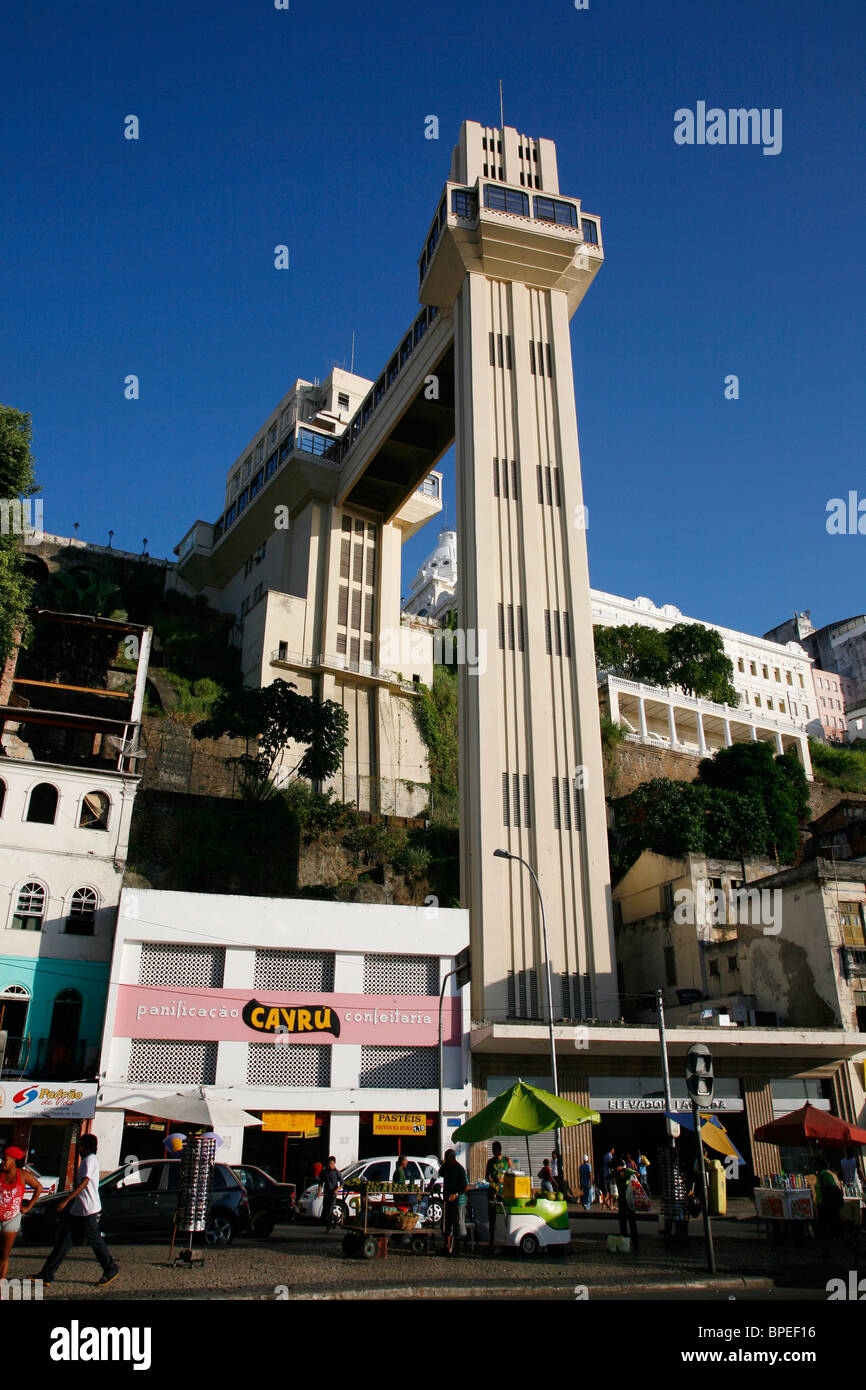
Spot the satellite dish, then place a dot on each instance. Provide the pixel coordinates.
(127, 747)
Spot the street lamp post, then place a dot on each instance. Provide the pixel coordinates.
(506, 854)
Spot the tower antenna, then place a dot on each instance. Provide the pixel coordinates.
(352, 368)
(501, 111)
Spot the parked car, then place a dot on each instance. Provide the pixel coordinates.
(141, 1199)
(419, 1171)
(49, 1185)
(270, 1201)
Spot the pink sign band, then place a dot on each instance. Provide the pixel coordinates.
(251, 1015)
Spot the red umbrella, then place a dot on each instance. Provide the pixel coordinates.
(809, 1123)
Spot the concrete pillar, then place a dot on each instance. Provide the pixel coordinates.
(613, 701)
(759, 1111)
(779, 748)
(754, 734)
(672, 728)
(727, 733)
(702, 742)
(343, 1139)
(641, 710)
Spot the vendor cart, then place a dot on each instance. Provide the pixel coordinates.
(369, 1238)
(533, 1222)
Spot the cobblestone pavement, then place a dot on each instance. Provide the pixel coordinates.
(305, 1262)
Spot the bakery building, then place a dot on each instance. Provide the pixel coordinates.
(321, 1018)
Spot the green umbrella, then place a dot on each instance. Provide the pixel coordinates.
(523, 1109)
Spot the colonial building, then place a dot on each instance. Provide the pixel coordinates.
(68, 782)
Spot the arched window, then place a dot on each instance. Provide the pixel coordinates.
(14, 1004)
(30, 908)
(82, 912)
(94, 811)
(43, 804)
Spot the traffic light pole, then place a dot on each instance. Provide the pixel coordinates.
(705, 1203)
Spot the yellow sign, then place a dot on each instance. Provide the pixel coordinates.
(287, 1120)
(397, 1122)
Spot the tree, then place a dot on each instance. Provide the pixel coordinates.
(17, 481)
(775, 782)
(633, 651)
(275, 717)
(688, 655)
(697, 663)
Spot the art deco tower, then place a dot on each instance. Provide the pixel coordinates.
(511, 259)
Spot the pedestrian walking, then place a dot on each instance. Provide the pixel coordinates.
(623, 1177)
(454, 1185)
(643, 1164)
(584, 1173)
(330, 1179)
(494, 1173)
(82, 1221)
(13, 1180)
(609, 1196)
(851, 1172)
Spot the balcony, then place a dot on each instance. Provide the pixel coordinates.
(57, 1060)
(337, 662)
(853, 962)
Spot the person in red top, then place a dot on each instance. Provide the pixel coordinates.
(13, 1179)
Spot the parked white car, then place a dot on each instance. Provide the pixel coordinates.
(419, 1172)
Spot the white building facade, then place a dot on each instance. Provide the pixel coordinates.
(326, 1014)
(434, 588)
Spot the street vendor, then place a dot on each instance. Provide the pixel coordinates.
(494, 1173)
(454, 1185)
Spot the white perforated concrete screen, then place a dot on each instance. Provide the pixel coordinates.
(401, 974)
(409, 1067)
(184, 967)
(172, 1063)
(279, 969)
(288, 1064)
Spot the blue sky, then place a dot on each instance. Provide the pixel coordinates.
(306, 127)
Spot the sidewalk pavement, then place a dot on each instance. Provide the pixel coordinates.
(305, 1263)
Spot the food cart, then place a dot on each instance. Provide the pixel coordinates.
(370, 1228)
(533, 1221)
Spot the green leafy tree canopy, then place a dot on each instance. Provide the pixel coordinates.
(688, 655)
(274, 717)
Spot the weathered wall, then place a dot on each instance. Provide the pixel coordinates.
(178, 762)
(634, 763)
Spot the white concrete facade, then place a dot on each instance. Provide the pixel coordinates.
(241, 941)
(433, 591)
(773, 681)
(686, 724)
(315, 589)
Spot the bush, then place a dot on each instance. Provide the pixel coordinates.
(844, 768)
(414, 859)
(315, 811)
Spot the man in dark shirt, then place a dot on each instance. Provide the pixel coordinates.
(330, 1179)
(497, 1167)
(454, 1185)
